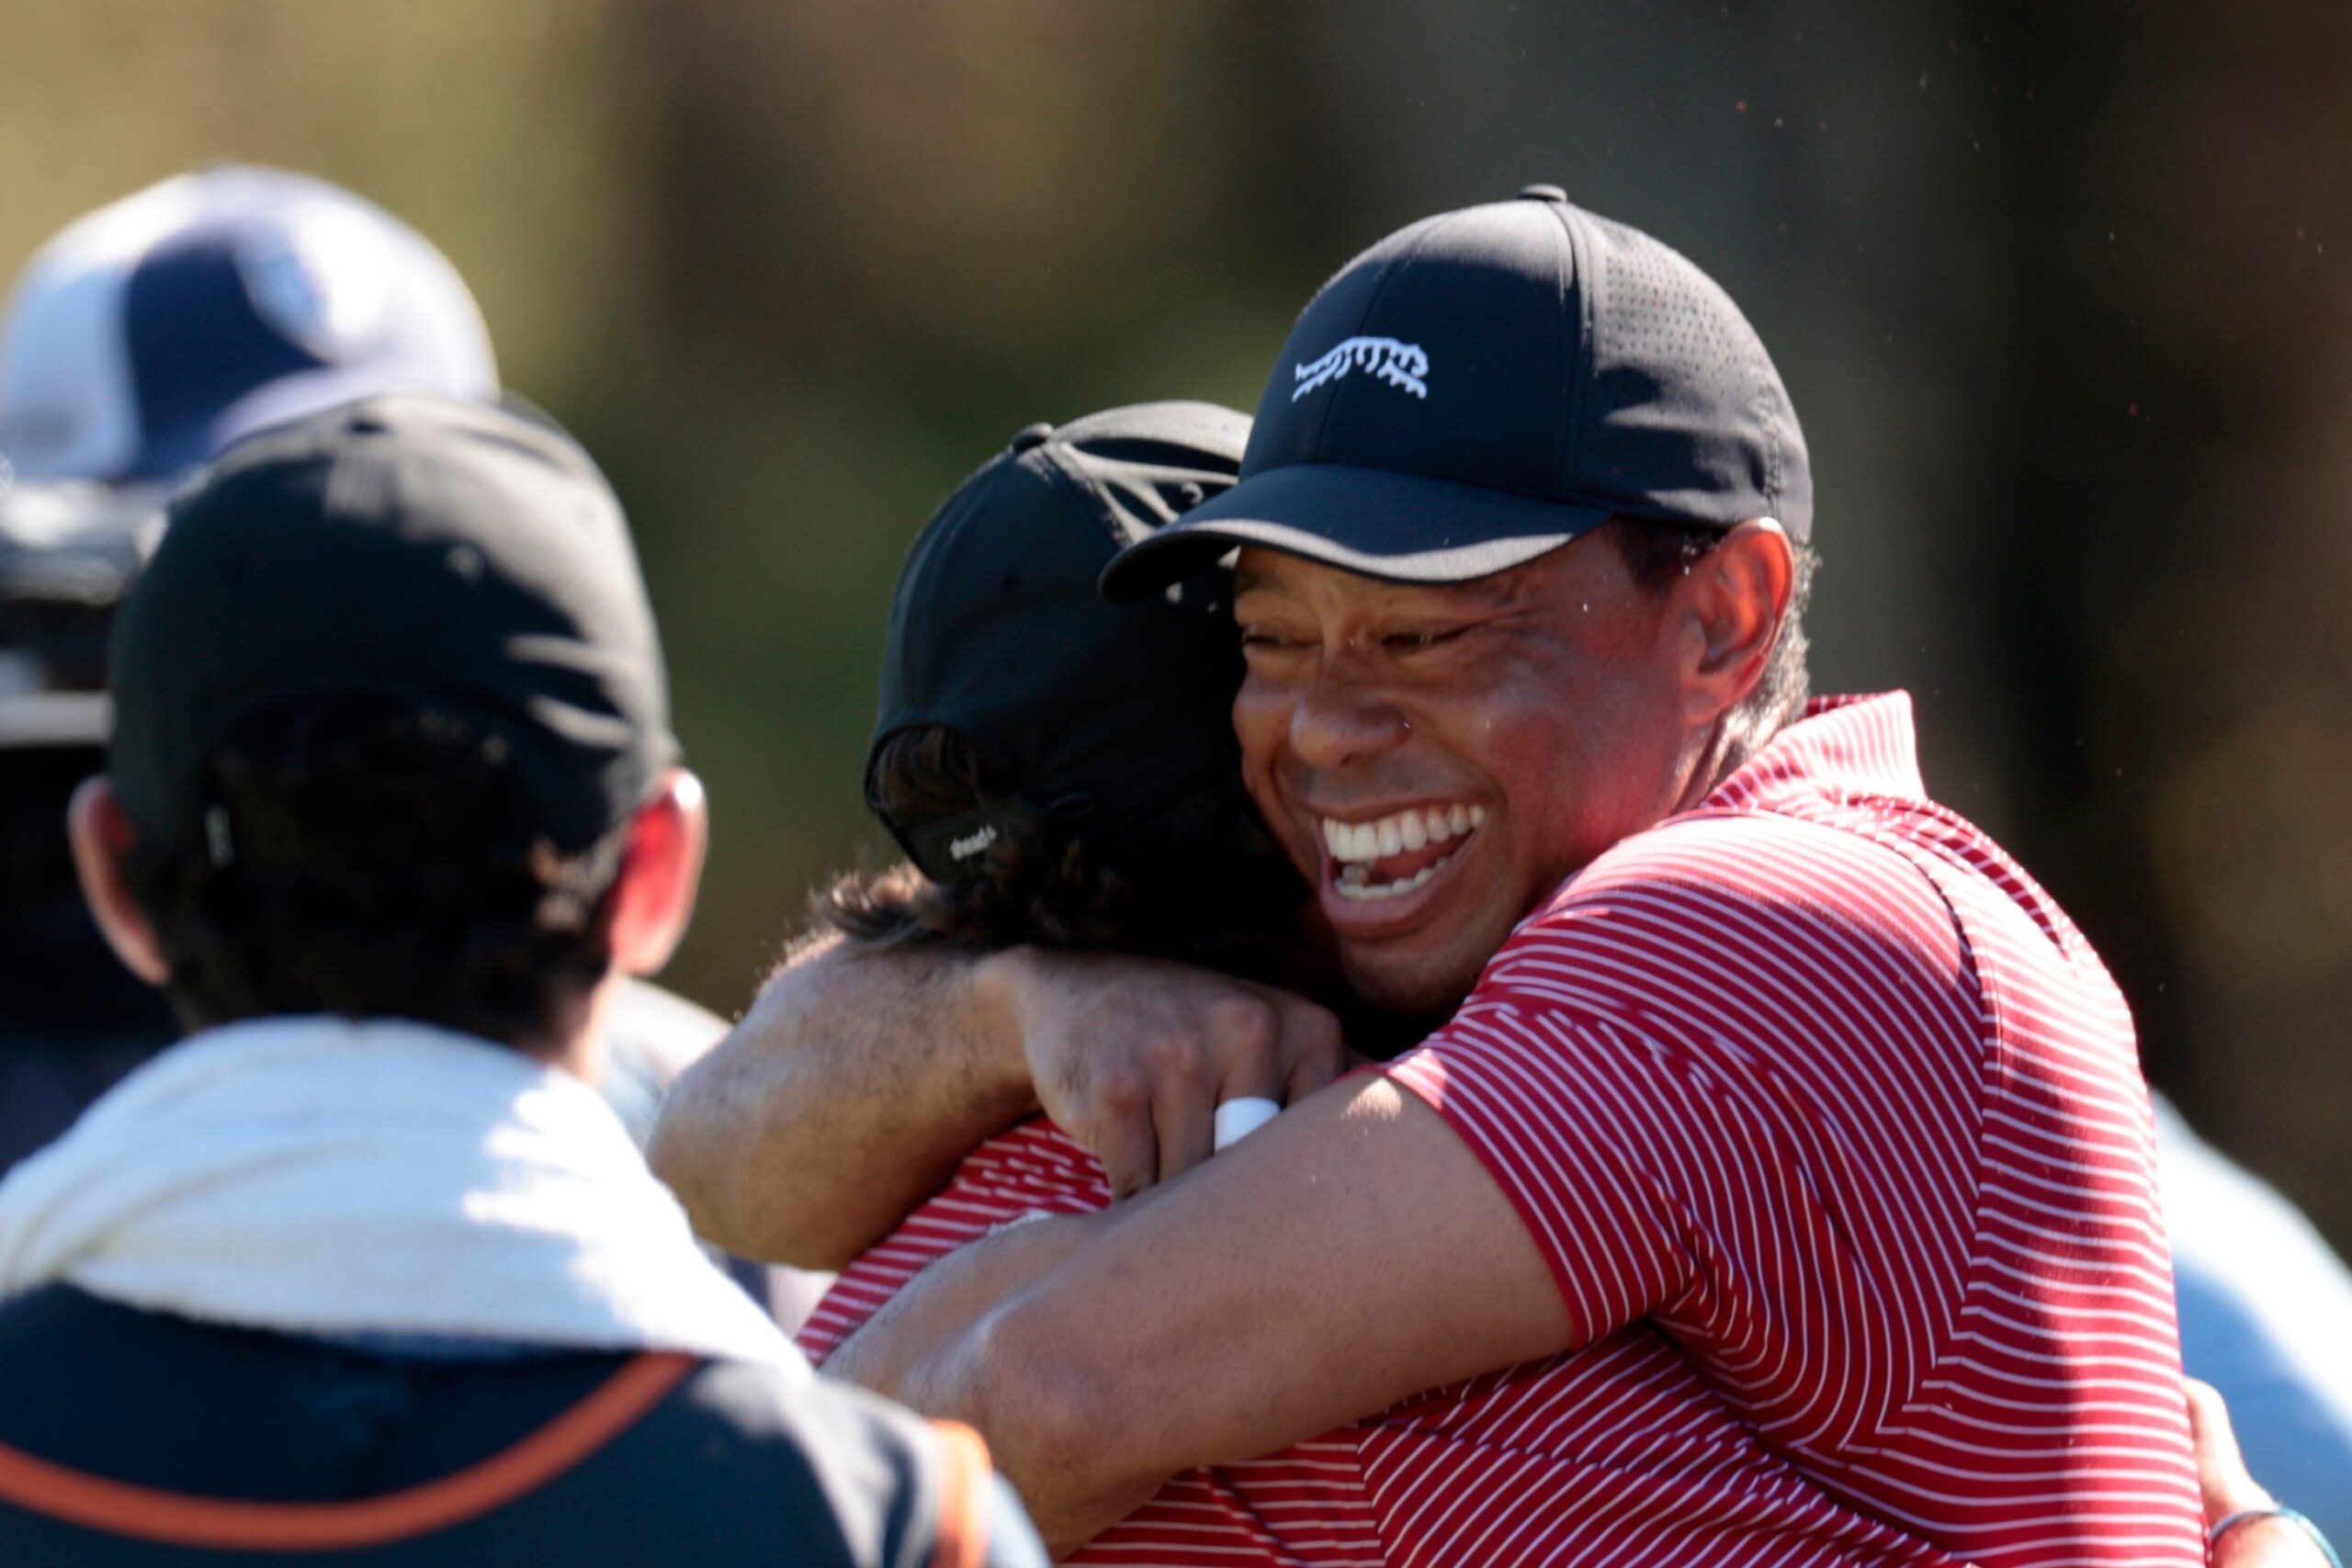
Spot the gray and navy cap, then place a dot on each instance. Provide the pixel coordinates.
(150, 333)
(455, 558)
(1485, 385)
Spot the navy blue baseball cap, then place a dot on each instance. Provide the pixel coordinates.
(1479, 389)
(151, 333)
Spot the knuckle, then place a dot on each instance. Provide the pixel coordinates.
(1320, 1036)
(1173, 1058)
(1245, 1024)
(1121, 1095)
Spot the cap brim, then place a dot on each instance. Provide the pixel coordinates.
(304, 393)
(1395, 527)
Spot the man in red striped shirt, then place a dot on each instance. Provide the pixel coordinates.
(1781, 1192)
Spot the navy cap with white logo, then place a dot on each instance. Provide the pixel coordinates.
(1483, 387)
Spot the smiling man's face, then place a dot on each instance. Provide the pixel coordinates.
(1438, 760)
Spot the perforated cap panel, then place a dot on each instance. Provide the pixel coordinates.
(1505, 376)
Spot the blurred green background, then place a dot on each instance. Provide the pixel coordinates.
(2061, 291)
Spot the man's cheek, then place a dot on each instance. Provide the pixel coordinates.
(1258, 728)
(1299, 839)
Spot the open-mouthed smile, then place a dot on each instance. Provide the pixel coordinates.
(1389, 856)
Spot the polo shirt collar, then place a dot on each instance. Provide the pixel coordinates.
(1843, 746)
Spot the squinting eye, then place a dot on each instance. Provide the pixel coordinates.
(1418, 642)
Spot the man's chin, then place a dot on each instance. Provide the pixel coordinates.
(1429, 985)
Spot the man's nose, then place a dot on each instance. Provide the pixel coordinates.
(1340, 719)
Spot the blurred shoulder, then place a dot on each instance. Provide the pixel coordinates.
(775, 1457)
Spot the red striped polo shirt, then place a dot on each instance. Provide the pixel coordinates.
(1305, 1507)
(1829, 1125)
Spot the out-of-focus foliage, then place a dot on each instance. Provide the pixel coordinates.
(2062, 292)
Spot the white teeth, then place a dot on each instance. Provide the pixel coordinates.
(1365, 892)
(1355, 845)
(1398, 834)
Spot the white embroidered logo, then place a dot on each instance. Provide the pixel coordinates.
(963, 849)
(1401, 364)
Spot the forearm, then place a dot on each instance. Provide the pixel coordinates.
(946, 1346)
(856, 1082)
(1310, 1276)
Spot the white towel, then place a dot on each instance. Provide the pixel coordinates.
(312, 1176)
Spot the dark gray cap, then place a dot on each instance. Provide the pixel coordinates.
(455, 556)
(1486, 385)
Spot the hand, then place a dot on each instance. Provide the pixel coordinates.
(2228, 1488)
(1132, 1057)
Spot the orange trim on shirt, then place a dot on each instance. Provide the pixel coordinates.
(963, 1499)
(118, 1508)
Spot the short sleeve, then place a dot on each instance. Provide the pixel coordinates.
(1746, 1116)
(1615, 1149)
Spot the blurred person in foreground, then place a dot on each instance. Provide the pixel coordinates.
(72, 1020)
(138, 343)
(1101, 810)
(390, 811)
(1783, 1185)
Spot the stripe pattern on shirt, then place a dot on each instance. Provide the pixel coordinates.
(1830, 1127)
(1305, 1507)
(1813, 1091)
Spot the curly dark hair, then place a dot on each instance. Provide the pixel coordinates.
(1201, 882)
(1657, 553)
(371, 860)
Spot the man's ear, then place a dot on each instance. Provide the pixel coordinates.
(101, 836)
(653, 896)
(1735, 597)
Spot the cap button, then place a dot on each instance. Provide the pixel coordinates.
(1030, 435)
(1543, 193)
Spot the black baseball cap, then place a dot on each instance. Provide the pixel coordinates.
(1487, 384)
(452, 555)
(1102, 717)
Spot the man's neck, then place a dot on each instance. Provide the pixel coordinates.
(1731, 743)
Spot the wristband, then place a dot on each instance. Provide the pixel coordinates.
(2230, 1522)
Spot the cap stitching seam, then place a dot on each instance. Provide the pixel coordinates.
(1571, 436)
(1760, 404)
(1101, 511)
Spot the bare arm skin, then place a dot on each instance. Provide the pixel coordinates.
(845, 1054)
(1352, 1253)
(2228, 1488)
(861, 1077)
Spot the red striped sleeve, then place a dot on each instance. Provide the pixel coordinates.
(1816, 1089)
